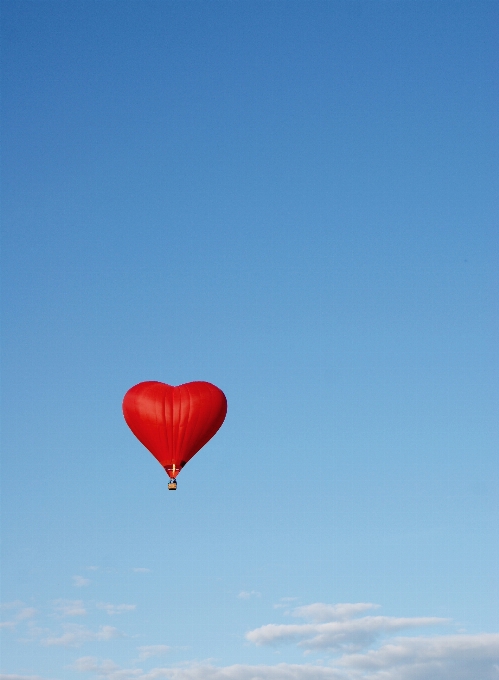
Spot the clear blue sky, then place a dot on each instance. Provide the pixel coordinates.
(296, 201)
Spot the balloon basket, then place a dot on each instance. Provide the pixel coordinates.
(172, 485)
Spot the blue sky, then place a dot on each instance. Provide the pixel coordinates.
(296, 201)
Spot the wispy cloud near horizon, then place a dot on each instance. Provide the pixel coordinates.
(452, 657)
(10, 676)
(338, 630)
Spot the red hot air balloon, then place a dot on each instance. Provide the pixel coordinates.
(174, 422)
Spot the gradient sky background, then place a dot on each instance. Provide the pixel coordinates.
(296, 201)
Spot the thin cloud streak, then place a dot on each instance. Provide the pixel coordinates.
(80, 581)
(247, 594)
(341, 632)
(149, 651)
(325, 613)
(76, 635)
(69, 608)
(113, 609)
(7, 676)
(24, 614)
(110, 671)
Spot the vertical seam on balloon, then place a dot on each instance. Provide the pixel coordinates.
(157, 429)
(171, 425)
(159, 419)
(160, 424)
(165, 427)
(186, 424)
(175, 412)
(166, 424)
(194, 444)
(180, 429)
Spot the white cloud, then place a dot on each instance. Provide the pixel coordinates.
(141, 570)
(92, 568)
(148, 651)
(12, 605)
(75, 635)
(86, 664)
(26, 613)
(445, 657)
(280, 671)
(23, 614)
(7, 676)
(323, 613)
(8, 624)
(69, 607)
(80, 581)
(342, 634)
(113, 609)
(284, 602)
(339, 628)
(452, 657)
(246, 594)
(105, 669)
(110, 671)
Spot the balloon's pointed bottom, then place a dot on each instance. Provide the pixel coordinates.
(172, 485)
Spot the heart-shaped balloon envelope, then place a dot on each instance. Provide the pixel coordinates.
(174, 422)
